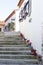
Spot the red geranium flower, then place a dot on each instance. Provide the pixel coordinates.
(25, 39)
(21, 35)
(35, 54)
(28, 40)
(33, 50)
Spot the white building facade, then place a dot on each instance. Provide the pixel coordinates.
(30, 25)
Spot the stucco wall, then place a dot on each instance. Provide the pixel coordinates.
(32, 30)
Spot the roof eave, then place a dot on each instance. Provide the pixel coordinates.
(20, 3)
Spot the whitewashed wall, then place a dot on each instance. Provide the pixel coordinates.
(37, 19)
(17, 20)
(32, 30)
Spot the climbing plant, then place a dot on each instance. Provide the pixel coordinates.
(12, 26)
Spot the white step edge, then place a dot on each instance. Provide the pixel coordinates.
(14, 55)
(14, 47)
(16, 51)
(19, 60)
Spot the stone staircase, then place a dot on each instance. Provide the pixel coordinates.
(15, 50)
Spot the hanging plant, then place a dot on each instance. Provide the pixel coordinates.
(12, 26)
(26, 13)
(20, 16)
(20, 20)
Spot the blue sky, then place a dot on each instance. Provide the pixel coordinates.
(6, 7)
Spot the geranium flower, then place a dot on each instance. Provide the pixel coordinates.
(21, 35)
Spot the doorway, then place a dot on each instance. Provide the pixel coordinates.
(0, 29)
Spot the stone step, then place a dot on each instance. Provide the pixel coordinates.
(10, 39)
(1, 32)
(1, 35)
(20, 63)
(15, 48)
(16, 55)
(16, 61)
(12, 33)
(16, 52)
(9, 56)
(9, 35)
(23, 51)
(11, 42)
(13, 45)
(13, 37)
(15, 40)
